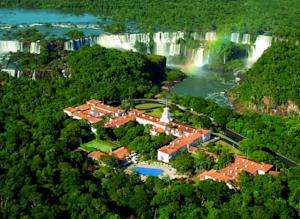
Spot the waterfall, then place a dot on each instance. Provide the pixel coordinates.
(199, 57)
(161, 43)
(166, 44)
(35, 48)
(197, 36)
(175, 49)
(211, 36)
(246, 39)
(261, 44)
(119, 41)
(69, 45)
(235, 37)
(10, 46)
(76, 44)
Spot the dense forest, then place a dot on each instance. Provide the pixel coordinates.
(278, 17)
(274, 80)
(41, 176)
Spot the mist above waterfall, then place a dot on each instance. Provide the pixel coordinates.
(261, 44)
(180, 48)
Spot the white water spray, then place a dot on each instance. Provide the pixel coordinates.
(261, 44)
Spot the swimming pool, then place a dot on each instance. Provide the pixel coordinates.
(148, 171)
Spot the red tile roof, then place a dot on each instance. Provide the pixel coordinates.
(180, 143)
(233, 170)
(121, 153)
(83, 107)
(214, 175)
(103, 107)
(139, 114)
(158, 129)
(119, 121)
(95, 155)
(92, 111)
(70, 109)
(173, 125)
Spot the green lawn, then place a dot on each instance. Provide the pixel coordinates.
(156, 112)
(223, 144)
(146, 106)
(99, 145)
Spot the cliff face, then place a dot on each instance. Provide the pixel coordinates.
(266, 105)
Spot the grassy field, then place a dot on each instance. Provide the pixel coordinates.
(146, 106)
(156, 112)
(99, 145)
(223, 144)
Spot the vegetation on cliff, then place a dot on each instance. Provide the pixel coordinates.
(273, 83)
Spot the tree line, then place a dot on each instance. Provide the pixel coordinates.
(277, 17)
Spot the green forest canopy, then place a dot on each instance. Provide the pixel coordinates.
(276, 75)
(41, 176)
(279, 17)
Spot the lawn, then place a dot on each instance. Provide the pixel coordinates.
(148, 106)
(99, 145)
(156, 112)
(223, 144)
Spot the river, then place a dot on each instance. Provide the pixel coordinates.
(48, 21)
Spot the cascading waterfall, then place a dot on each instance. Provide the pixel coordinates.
(10, 46)
(235, 37)
(164, 43)
(174, 49)
(76, 44)
(211, 36)
(199, 59)
(119, 41)
(35, 48)
(246, 39)
(161, 43)
(261, 44)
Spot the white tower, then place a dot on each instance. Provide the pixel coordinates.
(166, 117)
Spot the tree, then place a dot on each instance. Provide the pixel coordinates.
(183, 163)
(224, 159)
(75, 34)
(202, 161)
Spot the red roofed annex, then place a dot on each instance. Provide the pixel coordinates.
(92, 111)
(232, 171)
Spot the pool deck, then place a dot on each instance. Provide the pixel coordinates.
(168, 170)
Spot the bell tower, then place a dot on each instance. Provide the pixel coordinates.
(166, 117)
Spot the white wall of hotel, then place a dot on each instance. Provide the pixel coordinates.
(68, 112)
(261, 172)
(146, 122)
(164, 157)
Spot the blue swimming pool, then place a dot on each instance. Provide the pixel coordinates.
(148, 171)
